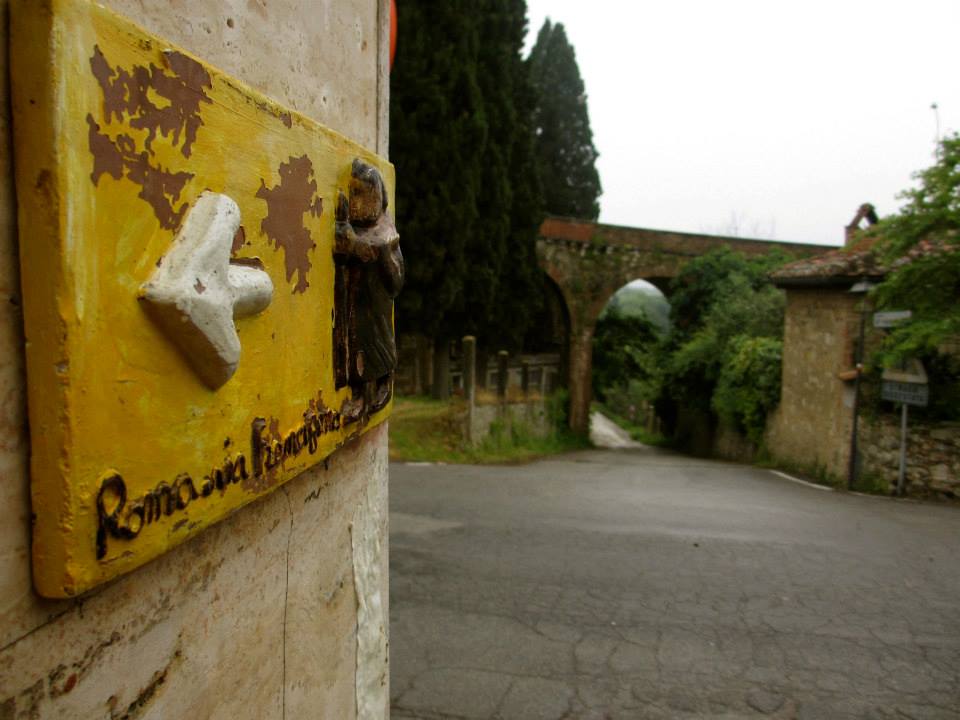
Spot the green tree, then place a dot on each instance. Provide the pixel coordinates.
(438, 131)
(566, 156)
(468, 205)
(748, 387)
(720, 303)
(522, 289)
(921, 243)
(502, 287)
(720, 273)
(621, 352)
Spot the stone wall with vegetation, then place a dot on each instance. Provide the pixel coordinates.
(258, 616)
(730, 444)
(933, 455)
(529, 418)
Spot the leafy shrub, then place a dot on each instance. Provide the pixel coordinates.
(921, 243)
(749, 384)
(704, 365)
(629, 400)
(558, 404)
(622, 352)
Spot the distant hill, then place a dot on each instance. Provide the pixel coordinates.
(640, 298)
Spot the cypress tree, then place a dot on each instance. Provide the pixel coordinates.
(566, 156)
(468, 198)
(437, 124)
(523, 296)
(503, 287)
(469, 203)
(486, 247)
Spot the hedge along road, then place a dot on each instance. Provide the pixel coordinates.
(639, 584)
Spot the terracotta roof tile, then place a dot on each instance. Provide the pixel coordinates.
(849, 264)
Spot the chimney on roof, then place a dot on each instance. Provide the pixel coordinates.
(864, 212)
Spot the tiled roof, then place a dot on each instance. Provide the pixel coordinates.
(925, 248)
(836, 267)
(847, 265)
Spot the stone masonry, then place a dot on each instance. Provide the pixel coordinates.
(933, 454)
(811, 426)
(256, 617)
(589, 262)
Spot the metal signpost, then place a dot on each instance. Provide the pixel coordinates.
(891, 318)
(907, 387)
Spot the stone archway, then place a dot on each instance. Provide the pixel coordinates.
(589, 262)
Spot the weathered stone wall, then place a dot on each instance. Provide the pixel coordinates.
(530, 417)
(933, 454)
(811, 426)
(730, 444)
(258, 616)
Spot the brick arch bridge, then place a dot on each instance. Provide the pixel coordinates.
(589, 262)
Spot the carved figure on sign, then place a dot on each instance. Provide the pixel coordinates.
(369, 275)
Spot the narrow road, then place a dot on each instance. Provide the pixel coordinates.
(639, 584)
(605, 433)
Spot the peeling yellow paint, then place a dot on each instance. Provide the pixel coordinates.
(117, 134)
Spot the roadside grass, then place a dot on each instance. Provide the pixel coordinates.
(427, 430)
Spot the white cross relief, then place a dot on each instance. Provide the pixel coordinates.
(197, 291)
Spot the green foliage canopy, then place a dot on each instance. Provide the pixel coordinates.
(519, 282)
(922, 244)
(437, 124)
(719, 275)
(566, 156)
(468, 201)
(749, 384)
(716, 298)
(622, 355)
(722, 356)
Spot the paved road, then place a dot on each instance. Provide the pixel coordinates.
(604, 432)
(637, 584)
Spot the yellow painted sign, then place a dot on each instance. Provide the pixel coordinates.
(208, 281)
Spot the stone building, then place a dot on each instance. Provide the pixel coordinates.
(258, 616)
(813, 423)
(827, 311)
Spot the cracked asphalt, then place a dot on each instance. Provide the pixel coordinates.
(639, 584)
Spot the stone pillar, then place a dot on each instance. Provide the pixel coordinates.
(581, 369)
(469, 380)
(424, 364)
(469, 368)
(257, 617)
(502, 375)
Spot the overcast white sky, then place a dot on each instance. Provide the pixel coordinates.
(783, 115)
